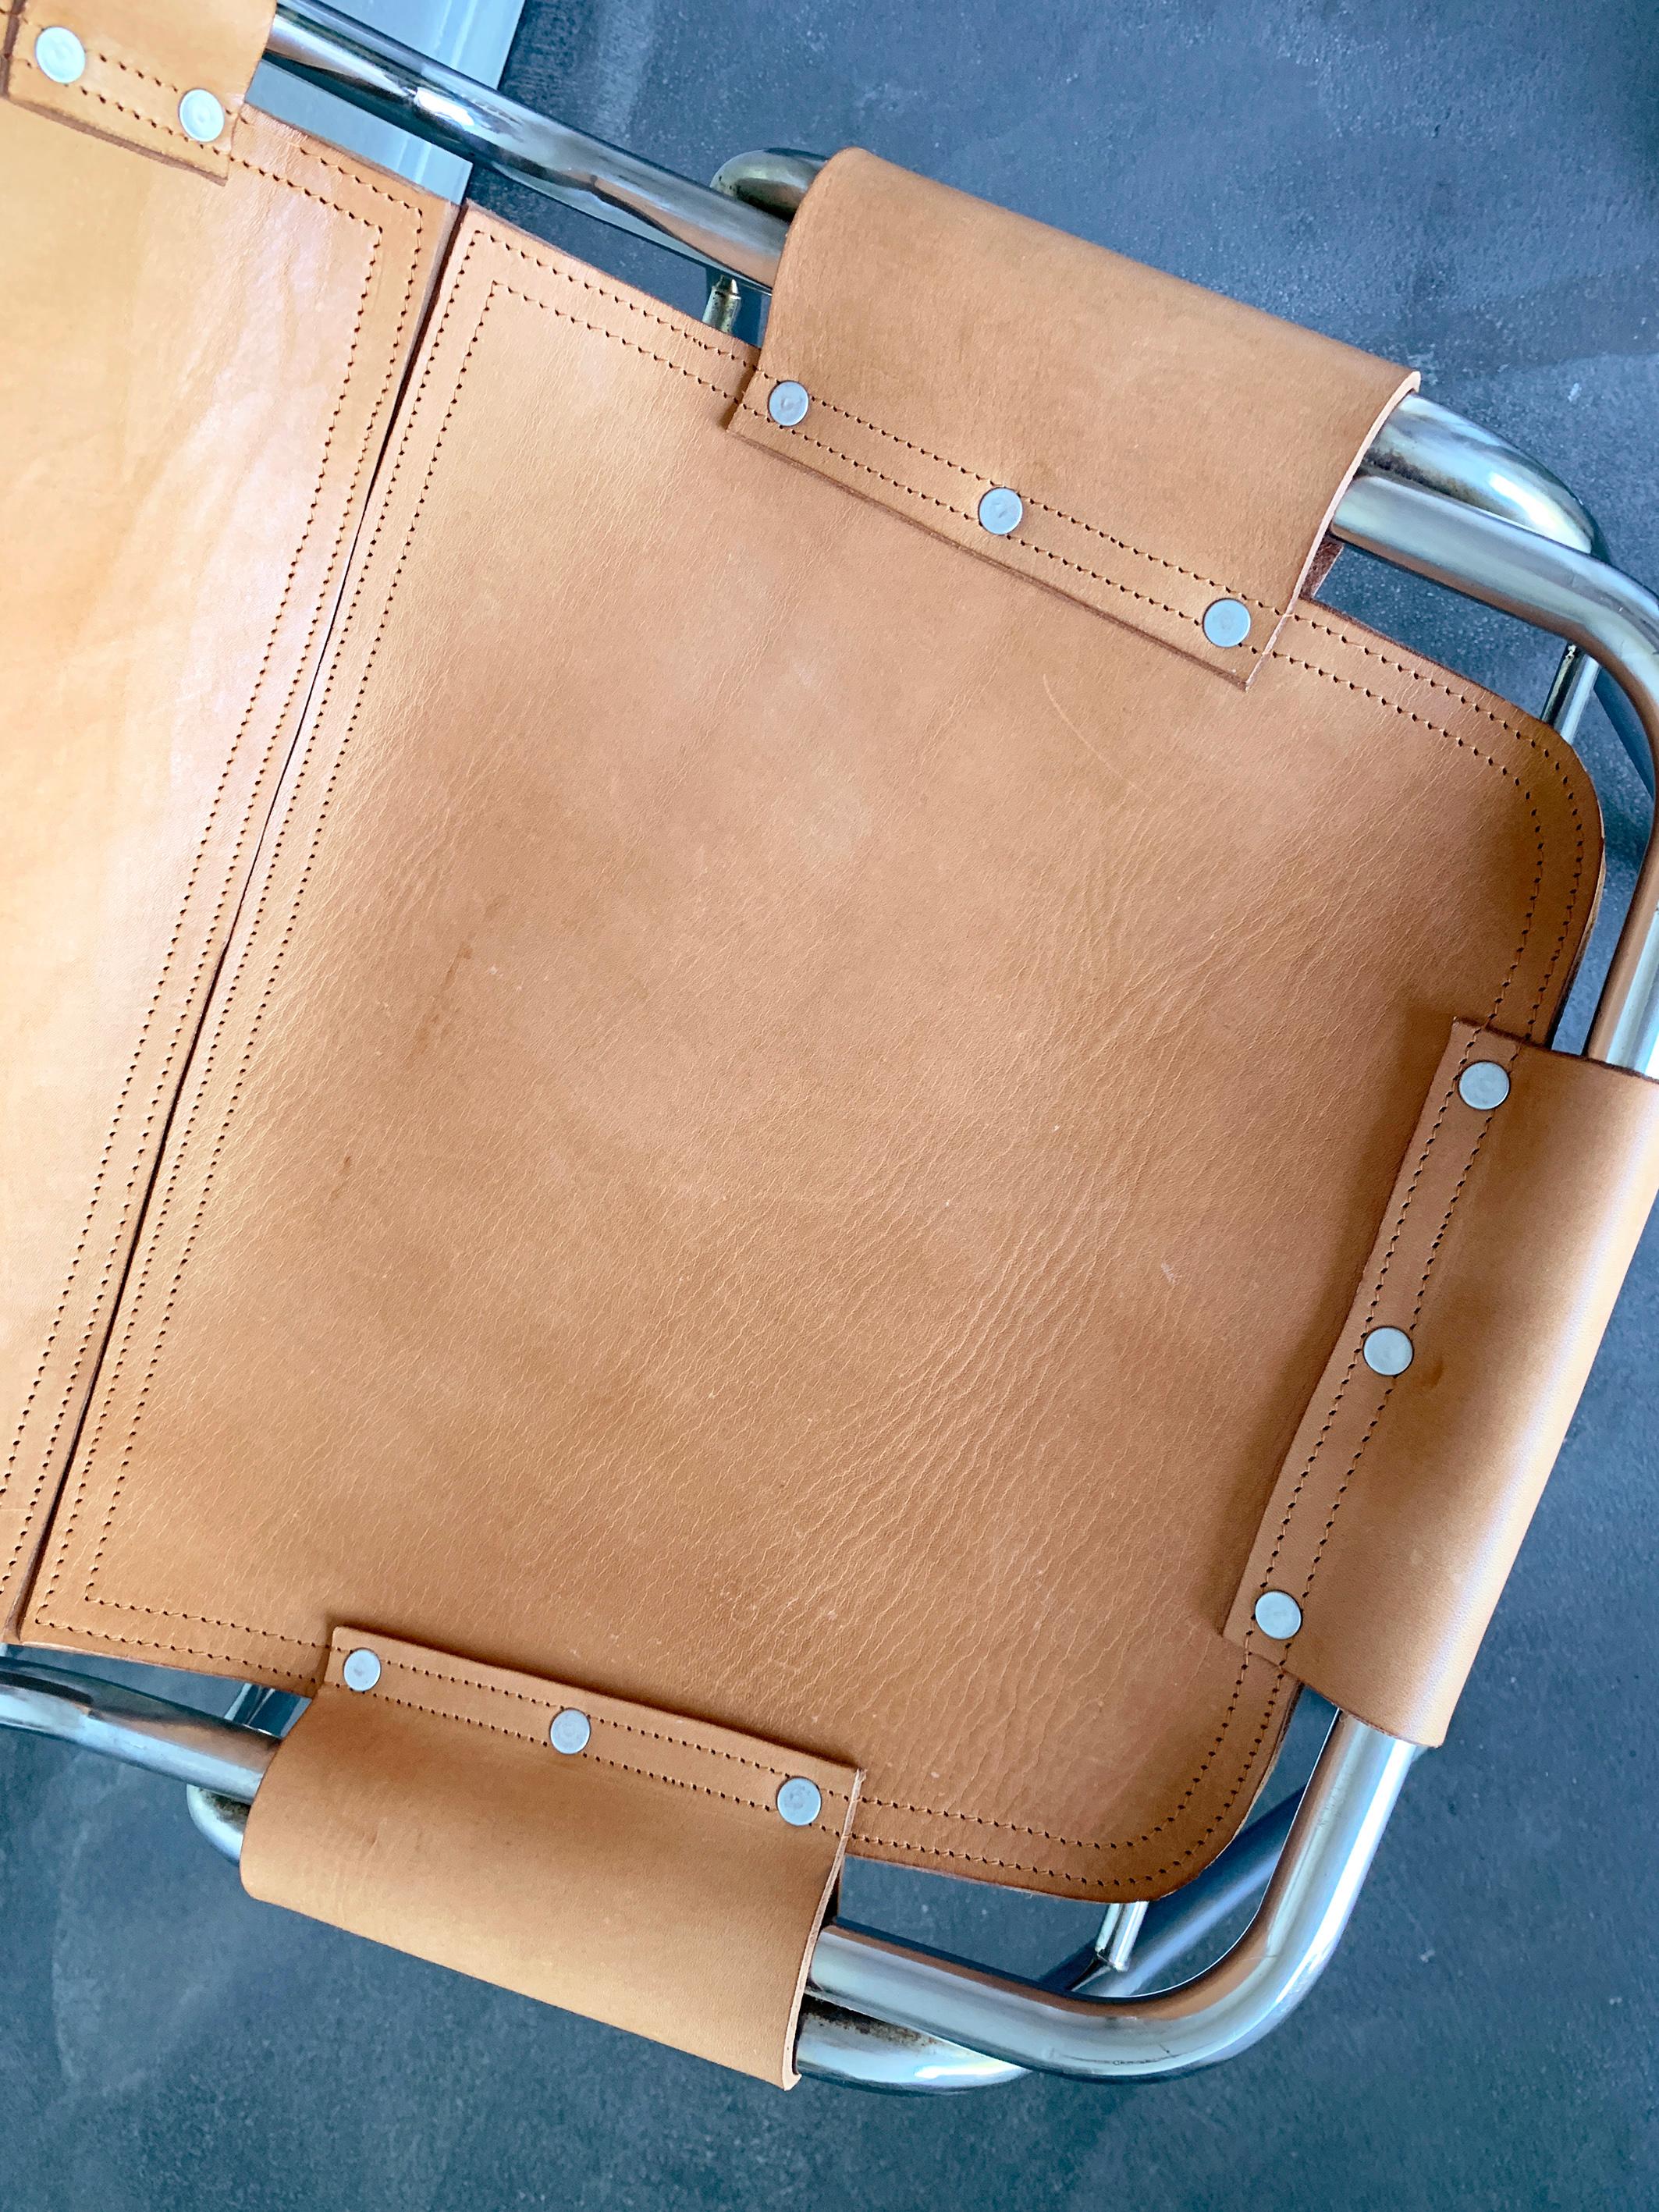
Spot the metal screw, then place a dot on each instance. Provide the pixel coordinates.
(1483, 1084)
(1387, 1350)
(787, 403)
(1226, 622)
(201, 117)
(1278, 1615)
(1002, 510)
(361, 1670)
(799, 1802)
(59, 55)
(569, 1730)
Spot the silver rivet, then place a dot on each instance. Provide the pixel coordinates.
(59, 55)
(570, 1730)
(1483, 1084)
(361, 1670)
(1387, 1350)
(1278, 1615)
(1002, 510)
(201, 117)
(1226, 622)
(799, 1802)
(787, 403)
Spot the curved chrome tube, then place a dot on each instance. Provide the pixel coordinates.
(832, 2045)
(1339, 1824)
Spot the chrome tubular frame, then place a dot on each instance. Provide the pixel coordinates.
(1435, 496)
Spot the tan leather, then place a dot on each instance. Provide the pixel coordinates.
(1171, 447)
(1403, 1500)
(141, 58)
(647, 1880)
(791, 1116)
(196, 385)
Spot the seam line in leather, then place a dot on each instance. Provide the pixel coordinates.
(1483, 1042)
(322, 597)
(753, 408)
(228, 1000)
(1004, 552)
(210, 155)
(545, 1701)
(1402, 1218)
(538, 1742)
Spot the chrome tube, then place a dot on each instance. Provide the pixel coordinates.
(832, 2045)
(139, 1730)
(1333, 1838)
(1175, 1925)
(394, 82)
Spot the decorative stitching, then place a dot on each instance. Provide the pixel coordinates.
(1552, 752)
(229, 994)
(1478, 1041)
(598, 1758)
(753, 408)
(212, 152)
(550, 1704)
(378, 239)
(1007, 545)
(86, 91)
(1400, 1218)
(932, 1850)
(471, 1681)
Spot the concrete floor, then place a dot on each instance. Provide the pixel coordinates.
(1473, 189)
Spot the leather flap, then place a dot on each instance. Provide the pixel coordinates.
(153, 74)
(644, 1876)
(1170, 447)
(1403, 1501)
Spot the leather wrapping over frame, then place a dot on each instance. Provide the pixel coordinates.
(647, 1880)
(1171, 446)
(179, 513)
(771, 1142)
(143, 56)
(1403, 1500)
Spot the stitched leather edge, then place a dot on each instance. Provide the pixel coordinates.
(603, 1721)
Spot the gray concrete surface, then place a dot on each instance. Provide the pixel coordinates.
(1474, 188)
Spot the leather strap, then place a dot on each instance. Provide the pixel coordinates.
(642, 1874)
(1404, 1498)
(1170, 447)
(145, 64)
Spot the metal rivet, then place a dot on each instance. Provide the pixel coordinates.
(1226, 622)
(1387, 1350)
(799, 1802)
(361, 1670)
(1278, 1615)
(59, 55)
(570, 1730)
(787, 403)
(201, 117)
(1483, 1084)
(1002, 510)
